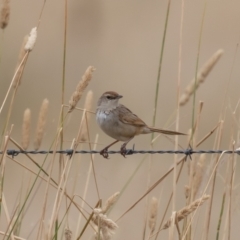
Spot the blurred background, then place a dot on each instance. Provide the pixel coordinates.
(122, 40)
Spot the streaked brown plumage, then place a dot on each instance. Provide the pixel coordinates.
(120, 123)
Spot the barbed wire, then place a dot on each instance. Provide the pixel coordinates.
(69, 152)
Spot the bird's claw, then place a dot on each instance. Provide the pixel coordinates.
(104, 153)
(123, 150)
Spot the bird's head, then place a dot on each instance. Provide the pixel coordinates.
(109, 100)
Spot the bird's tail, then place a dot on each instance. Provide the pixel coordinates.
(163, 131)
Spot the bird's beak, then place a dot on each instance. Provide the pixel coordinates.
(119, 96)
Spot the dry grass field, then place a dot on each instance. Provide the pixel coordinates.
(176, 63)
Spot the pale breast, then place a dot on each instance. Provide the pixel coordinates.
(109, 123)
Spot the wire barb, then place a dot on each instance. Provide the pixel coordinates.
(189, 152)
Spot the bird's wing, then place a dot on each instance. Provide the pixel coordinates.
(127, 117)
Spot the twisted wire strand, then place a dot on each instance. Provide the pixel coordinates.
(187, 152)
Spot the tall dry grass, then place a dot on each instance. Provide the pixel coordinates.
(181, 201)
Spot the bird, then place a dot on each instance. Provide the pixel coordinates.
(118, 122)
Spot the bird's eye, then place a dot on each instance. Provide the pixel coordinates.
(109, 97)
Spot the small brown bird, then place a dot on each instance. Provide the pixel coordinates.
(120, 123)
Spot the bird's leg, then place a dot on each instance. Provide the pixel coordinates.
(123, 149)
(104, 152)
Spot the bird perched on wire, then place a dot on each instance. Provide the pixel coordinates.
(120, 123)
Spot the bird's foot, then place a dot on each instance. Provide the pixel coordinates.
(123, 150)
(104, 153)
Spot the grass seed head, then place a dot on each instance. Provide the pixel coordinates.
(26, 128)
(153, 214)
(110, 201)
(31, 39)
(76, 96)
(41, 124)
(201, 76)
(5, 14)
(184, 212)
(67, 234)
(87, 106)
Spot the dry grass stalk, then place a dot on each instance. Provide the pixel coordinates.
(11, 218)
(48, 180)
(3, 155)
(201, 76)
(153, 214)
(68, 234)
(5, 13)
(41, 124)
(87, 106)
(76, 96)
(31, 40)
(211, 184)
(189, 135)
(198, 175)
(26, 128)
(86, 187)
(64, 179)
(153, 186)
(17, 79)
(184, 212)
(106, 225)
(110, 201)
(80, 130)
